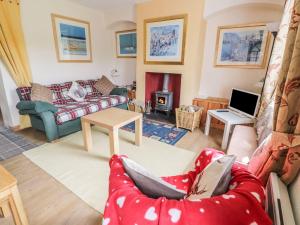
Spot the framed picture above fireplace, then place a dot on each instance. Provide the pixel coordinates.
(164, 40)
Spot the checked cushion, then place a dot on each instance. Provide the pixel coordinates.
(74, 110)
(25, 93)
(89, 86)
(60, 93)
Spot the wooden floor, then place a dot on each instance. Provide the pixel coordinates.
(47, 202)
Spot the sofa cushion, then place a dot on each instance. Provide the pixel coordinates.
(104, 85)
(74, 110)
(77, 92)
(148, 183)
(214, 179)
(60, 93)
(243, 143)
(24, 93)
(41, 93)
(89, 86)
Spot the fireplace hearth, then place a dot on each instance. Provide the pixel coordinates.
(162, 94)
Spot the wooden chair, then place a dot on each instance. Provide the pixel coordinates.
(10, 200)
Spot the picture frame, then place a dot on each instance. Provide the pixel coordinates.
(126, 45)
(164, 40)
(242, 46)
(72, 39)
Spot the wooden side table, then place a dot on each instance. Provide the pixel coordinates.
(10, 200)
(209, 104)
(230, 119)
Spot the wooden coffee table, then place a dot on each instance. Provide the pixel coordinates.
(111, 119)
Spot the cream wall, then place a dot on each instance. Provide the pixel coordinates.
(217, 82)
(37, 27)
(214, 6)
(126, 67)
(119, 19)
(191, 70)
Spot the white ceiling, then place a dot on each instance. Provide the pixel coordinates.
(107, 4)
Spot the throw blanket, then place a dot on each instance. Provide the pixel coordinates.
(241, 205)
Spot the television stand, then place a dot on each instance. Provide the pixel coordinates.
(229, 118)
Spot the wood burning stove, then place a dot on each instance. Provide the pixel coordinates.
(164, 98)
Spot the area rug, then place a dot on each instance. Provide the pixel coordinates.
(12, 144)
(160, 131)
(86, 173)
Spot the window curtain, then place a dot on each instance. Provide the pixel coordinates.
(12, 47)
(281, 153)
(264, 124)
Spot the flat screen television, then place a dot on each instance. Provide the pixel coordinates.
(244, 102)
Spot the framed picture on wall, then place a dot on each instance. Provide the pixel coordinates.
(72, 39)
(126, 44)
(164, 40)
(242, 46)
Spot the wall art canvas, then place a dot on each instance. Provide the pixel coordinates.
(242, 46)
(126, 44)
(72, 39)
(165, 40)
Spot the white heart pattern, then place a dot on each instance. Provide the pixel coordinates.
(207, 152)
(150, 214)
(228, 196)
(106, 221)
(256, 196)
(253, 223)
(198, 163)
(120, 201)
(175, 215)
(185, 180)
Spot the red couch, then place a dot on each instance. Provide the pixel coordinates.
(241, 205)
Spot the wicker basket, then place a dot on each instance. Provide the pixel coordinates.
(188, 120)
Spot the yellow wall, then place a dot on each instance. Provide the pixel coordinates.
(191, 70)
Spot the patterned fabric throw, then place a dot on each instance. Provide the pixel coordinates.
(104, 85)
(41, 93)
(282, 153)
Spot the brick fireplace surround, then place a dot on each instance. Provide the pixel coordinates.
(154, 82)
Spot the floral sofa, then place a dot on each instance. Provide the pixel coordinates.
(63, 116)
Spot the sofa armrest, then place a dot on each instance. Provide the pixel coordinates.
(51, 129)
(35, 107)
(243, 143)
(119, 91)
